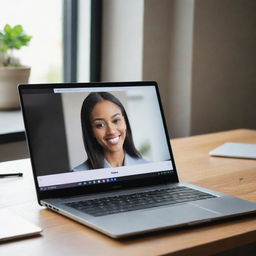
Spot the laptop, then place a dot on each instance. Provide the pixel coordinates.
(101, 155)
(235, 150)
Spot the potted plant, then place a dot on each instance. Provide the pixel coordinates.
(12, 72)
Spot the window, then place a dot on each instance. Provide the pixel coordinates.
(82, 40)
(42, 20)
(66, 38)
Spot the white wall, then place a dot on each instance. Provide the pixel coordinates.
(122, 40)
(156, 46)
(168, 40)
(201, 53)
(71, 103)
(180, 70)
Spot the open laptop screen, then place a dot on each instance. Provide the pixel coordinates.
(92, 135)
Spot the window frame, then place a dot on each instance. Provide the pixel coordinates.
(70, 40)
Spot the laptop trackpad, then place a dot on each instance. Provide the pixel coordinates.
(157, 218)
(182, 214)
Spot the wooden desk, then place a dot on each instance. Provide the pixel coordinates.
(62, 236)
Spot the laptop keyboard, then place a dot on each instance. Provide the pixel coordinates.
(137, 201)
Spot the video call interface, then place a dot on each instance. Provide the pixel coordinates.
(94, 135)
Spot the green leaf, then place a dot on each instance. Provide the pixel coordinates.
(12, 38)
(25, 39)
(17, 45)
(7, 28)
(17, 29)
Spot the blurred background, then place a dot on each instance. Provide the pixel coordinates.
(202, 53)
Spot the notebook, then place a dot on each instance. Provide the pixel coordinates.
(15, 227)
(100, 155)
(235, 150)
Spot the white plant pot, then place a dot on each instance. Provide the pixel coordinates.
(10, 77)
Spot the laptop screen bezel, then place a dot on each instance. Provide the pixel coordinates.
(97, 187)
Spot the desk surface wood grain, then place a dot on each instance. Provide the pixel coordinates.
(62, 236)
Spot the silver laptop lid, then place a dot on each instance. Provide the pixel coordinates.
(95, 135)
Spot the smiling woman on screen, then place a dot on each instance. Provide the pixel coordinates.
(107, 133)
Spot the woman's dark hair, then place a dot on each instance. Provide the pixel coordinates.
(92, 147)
